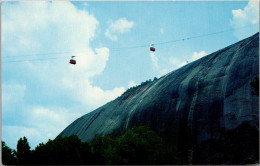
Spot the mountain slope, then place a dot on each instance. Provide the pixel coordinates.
(192, 105)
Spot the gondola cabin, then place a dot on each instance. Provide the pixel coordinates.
(152, 48)
(72, 61)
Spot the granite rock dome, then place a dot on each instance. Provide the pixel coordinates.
(191, 106)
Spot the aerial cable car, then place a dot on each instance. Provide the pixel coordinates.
(152, 47)
(72, 61)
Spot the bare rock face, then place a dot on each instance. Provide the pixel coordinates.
(190, 107)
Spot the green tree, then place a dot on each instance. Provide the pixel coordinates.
(104, 150)
(23, 151)
(140, 145)
(8, 156)
(63, 150)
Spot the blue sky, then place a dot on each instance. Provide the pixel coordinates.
(42, 93)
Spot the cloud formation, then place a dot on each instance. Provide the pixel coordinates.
(154, 60)
(118, 27)
(41, 124)
(175, 63)
(198, 55)
(12, 93)
(33, 30)
(12, 133)
(131, 84)
(162, 31)
(247, 17)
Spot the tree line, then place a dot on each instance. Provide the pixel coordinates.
(139, 145)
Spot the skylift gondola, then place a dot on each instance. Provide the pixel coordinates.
(152, 47)
(72, 61)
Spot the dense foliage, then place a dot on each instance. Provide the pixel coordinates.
(23, 152)
(8, 156)
(139, 145)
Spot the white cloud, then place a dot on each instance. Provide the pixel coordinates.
(51, 27)
(165, 70)
(194, 57)
(249, 16)
(179, 63)
(161, 30)
(120, 26)
(95, 96)
(11, 134)
(154, 60)
(89, 94)
(57, 117)
(197, 55)
(42, 123)
(85, 4)
(182, 64)
(131, 84)
(175, 63)
(58, 27)
(31, 26)
(12, 94)
(110, 36)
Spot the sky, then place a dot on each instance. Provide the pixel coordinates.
(42, 93)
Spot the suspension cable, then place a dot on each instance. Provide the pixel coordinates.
(113, 49)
